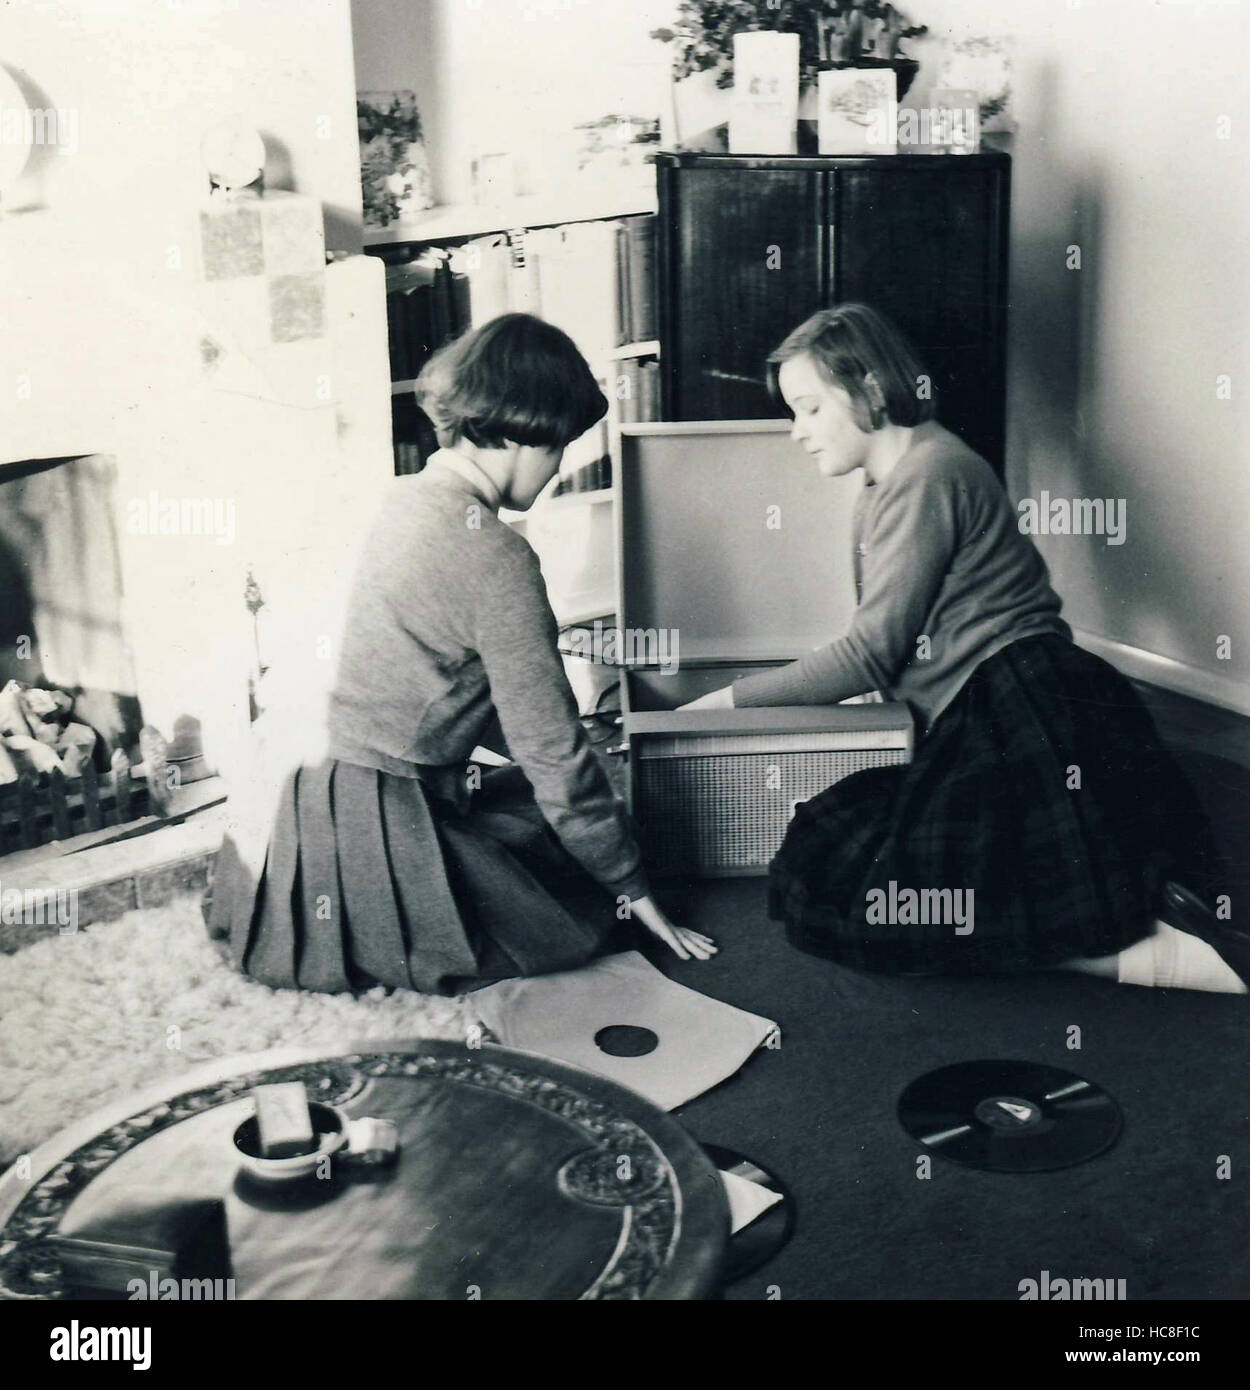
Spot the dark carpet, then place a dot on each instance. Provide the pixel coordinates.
(820, 1112)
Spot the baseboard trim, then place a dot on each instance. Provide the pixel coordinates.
(1167, 673)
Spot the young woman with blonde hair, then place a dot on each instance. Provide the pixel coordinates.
(1039, 785)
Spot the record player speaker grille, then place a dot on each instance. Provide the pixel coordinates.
(723, 813)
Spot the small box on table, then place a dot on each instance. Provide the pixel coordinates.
(283, 1119)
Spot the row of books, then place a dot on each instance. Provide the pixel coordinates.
(427, 304)
(636, 279)
(595, 280)
(409, 458)
(412, 433)
(593, 477)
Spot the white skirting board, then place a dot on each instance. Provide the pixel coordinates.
(1167, 673)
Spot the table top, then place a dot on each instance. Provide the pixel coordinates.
(518, 1177)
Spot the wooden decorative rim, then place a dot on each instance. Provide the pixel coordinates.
(674, 1216)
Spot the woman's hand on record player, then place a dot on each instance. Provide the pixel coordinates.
(681, 940)
(714, 699)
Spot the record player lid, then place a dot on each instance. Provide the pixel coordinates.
(729, 537)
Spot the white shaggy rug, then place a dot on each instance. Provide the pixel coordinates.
(89, 1017)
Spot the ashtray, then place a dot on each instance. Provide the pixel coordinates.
(329, 1130)
(368, 1143)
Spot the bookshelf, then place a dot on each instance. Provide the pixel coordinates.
(575, 274)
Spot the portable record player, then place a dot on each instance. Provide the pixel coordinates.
(733, 554)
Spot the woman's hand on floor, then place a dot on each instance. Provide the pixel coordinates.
(681, 940)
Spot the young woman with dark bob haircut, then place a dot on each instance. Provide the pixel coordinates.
(1039, 784)
(392, 860)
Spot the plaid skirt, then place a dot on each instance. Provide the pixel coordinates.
(1042, 794)
(361, 878)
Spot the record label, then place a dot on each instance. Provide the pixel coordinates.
(1010, 1117)
(1009, 1113)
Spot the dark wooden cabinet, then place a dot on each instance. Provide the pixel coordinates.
(749, 246)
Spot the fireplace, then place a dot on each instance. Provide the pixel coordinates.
(252, 466)
(60, 576)
(72, 745)
(149, 516)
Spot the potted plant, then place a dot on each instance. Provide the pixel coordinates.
(394, 168)
(832, 34)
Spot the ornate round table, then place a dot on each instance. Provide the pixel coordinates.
(517, 1178)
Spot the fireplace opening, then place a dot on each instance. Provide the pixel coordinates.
(74, 755)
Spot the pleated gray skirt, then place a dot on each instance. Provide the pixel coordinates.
(370, 878)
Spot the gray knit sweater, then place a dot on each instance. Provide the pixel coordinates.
(448, 625)
(938, 556)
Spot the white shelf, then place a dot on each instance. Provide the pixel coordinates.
(603, 494)
(591, 204)
(399, 387)
(541, 504)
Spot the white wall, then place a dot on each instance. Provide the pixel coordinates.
(146, 78)
(102, 239)
(104, 312)
(512, 75)
(1113, 367)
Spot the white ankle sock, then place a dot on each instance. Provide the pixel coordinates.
(1173, 959)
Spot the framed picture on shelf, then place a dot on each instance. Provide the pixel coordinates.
(764, 116)
(857, 111)
(983, 63)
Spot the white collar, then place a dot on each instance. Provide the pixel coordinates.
(480, 482)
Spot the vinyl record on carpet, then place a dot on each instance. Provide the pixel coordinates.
(756, 1244)
(1010, 1117)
